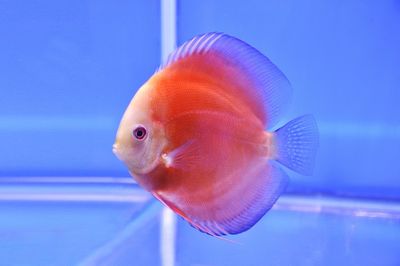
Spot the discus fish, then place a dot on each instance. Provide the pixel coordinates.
(195, 134)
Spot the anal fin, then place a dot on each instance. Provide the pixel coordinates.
(243, 206)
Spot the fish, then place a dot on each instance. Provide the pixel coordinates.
(197, 134)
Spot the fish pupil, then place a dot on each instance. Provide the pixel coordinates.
(139, 133)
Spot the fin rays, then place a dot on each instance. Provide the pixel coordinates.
(259, 82)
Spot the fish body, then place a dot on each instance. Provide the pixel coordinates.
(195, 134)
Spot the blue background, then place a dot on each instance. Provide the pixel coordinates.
(68, 71)
(69, 68)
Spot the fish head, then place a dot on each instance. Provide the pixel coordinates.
(140, 139)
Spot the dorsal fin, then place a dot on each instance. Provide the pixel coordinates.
(248, 73)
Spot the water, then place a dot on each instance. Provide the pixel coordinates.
(47, 223)
(69, 69)
(43, 222)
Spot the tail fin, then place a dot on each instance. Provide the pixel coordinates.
(297, 143)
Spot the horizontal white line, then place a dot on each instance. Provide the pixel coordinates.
(72, 179)
(339, 206)
(57, 197)
(71, 189)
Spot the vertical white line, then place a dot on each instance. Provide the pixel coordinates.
(168, 237)
(168, 28)
(168, 218)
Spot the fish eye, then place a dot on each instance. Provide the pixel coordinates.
(139, 132)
